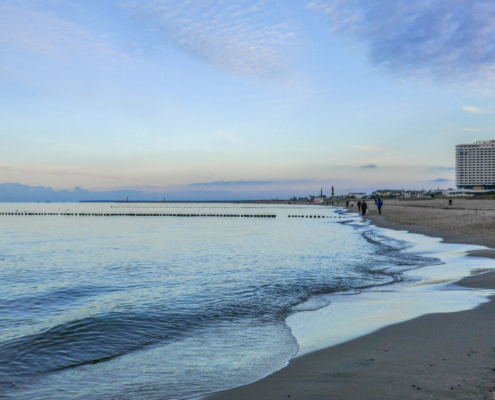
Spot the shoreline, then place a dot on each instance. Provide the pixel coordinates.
(443, 355)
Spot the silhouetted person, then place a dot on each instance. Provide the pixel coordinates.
(364, 207)
(379, 204)
(347, 203)
(359, 205)
(450, 202)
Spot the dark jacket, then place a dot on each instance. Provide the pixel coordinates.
(380, 203)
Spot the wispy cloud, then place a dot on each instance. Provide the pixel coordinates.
(448, 127)
(243, 37)
(476, 110)
(474, 129)
(59, 172)
(24, 27)
(453, 41)
(441, 168)
(251, 183)
(442, 180)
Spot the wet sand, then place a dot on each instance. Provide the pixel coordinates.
(436, 356)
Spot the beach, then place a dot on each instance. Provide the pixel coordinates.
(441, 356)
(465, 221)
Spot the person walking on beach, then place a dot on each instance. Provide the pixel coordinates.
(359, 205)
(379, 204)
(364, 207)
(347, 203)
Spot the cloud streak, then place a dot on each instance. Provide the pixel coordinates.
(59, 172)
(252, 183)
(476, 110)
(25, 29)
(441, 180)
(243, 37)
(452, 41)
(370, 166)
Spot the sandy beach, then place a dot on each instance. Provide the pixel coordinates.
(437, 356)
(465, 221)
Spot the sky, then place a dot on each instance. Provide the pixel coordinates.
(263, 96)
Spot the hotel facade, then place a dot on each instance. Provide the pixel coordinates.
(475, 165)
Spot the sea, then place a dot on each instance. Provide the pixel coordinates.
(178, 300)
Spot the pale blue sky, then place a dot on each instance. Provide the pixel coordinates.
(166, 93)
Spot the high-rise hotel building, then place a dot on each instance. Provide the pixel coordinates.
(475, 165)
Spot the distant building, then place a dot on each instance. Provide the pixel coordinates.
(413, 193)
(450, 192)
(317, 200)
(437, 192)
(456, 193)
(387, 193)
(357, 195)
(475, 165)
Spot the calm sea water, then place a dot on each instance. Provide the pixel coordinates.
(170, 307)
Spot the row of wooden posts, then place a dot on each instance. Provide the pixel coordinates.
(312, 216)
(146, 215)
(173, 215)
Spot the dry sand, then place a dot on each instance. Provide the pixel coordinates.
(466, 221)
(437, 356)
